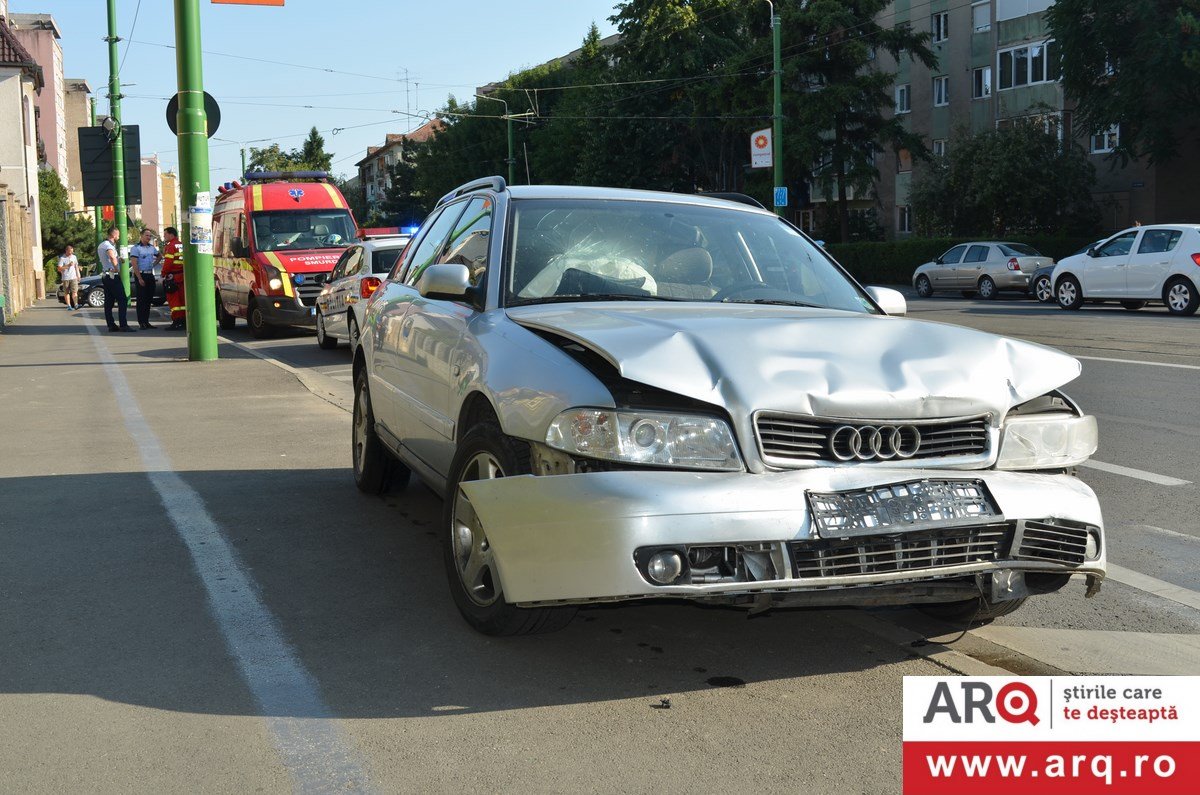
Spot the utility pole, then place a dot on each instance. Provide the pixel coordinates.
(512, 161)
(192, 126)
(777, 117)
(97, 211)
(118, 145)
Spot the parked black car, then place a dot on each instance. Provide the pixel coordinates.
(91, 290)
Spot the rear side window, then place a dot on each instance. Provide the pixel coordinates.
(383, 260)
(977, 254)
(1018, 250)
(1158, 241)
(954, 255)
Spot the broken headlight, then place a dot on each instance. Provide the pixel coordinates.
(643, 437)
(1046, 441)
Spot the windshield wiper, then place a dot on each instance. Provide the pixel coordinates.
(772, 302)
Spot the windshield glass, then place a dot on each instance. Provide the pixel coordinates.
(604, 249)
(289, 230)
(1018, 250)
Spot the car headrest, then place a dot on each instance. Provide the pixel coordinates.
(687, 266)
(320, 230)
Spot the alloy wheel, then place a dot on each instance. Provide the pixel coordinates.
(1043, 290)
(472, 553)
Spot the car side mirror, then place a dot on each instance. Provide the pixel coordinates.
(890, 301)
(239, 248)
(447, 281)
(1093, 252)
(938, 261)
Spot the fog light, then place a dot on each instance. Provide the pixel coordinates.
(277, 305)
(665, 567)
(1091, 550)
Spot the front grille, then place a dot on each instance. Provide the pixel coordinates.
(308, 286)
(791, 440)
(927, 549)
(1053, 543)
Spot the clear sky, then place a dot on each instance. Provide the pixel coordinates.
(446, 46)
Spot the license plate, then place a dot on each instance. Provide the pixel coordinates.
(312, 311)
(896, 507)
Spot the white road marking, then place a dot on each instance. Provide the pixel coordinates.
(313, 748)
(1165, 531)
(1134, 361)
(1130, 472)
(1155, 586)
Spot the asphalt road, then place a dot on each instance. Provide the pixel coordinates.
(194, 596)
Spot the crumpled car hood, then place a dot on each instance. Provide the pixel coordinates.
(824, 363)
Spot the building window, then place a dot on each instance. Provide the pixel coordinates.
(1105, 140)
(981, 17)
(1032, 63)
(903, 98)
(903, 161)
(904, 219)
(939, 147)
(808, 220)
(981, 83)
(939, 25)
(941, 91)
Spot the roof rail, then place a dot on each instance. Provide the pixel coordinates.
(492, 183)
(740, 198)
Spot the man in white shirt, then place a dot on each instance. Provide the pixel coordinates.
(68, 274)
(114, 290)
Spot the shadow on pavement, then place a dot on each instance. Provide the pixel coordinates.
(98, 596)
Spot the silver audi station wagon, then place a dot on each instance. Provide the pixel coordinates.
(630, 395)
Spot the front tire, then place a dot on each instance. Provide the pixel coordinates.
(1069, 293)
(486, 453)
(375, 470)
(987, 288)
(95, 298)
(324, 341)
(924, 287)
(1181, 297)
(226, 321)
(1043, 290)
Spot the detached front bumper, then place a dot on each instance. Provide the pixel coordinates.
(578, 538)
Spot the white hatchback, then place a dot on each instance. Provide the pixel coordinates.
(358, 273)
(1135, 267)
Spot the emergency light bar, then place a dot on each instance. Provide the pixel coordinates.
(263, 176)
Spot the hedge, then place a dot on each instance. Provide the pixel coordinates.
(894, 262)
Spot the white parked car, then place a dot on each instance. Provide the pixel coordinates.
(633, 395)
(985, 268)
(1137, 266)
(358, 274)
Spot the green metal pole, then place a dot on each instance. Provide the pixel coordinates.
(118, 144)
(97, 211)
(243, 164)
(777, 131)
(512, 161)
(192, 124)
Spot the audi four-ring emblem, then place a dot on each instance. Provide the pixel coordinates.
(874, 442)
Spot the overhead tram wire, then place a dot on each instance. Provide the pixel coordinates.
(129, 39)
(279, 63)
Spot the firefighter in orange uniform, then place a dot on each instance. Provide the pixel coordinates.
(172, 273)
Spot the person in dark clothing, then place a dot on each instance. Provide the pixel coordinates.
(114, 290)
(144, 256)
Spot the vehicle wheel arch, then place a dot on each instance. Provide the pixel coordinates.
(360, 362)
(1059, 279)
(476, 408)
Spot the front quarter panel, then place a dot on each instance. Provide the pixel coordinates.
(528, 381)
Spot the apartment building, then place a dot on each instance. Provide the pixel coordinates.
(997, 63)
(40, 35)
(78, 94)
(374, 170)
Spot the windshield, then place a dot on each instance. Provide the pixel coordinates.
(1018, 250)
(289, 230)
(604, 249)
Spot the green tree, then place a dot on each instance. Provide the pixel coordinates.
(59, 227)
(1135, 63)
(311, 156)
(312, 153)
(403, 203)
(1015, 180)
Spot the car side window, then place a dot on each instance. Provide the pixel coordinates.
(339, 270)
(468, 243)
(1119, 246)
(1159, 241)
(426, 252)
(977, 254)
(953, 256)
(384, 259)
(353, 262)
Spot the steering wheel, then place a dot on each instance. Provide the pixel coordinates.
(739, 287)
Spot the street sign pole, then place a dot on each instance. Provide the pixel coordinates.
(118, 144)
(192, 126)
(777, 124)
(97, 211)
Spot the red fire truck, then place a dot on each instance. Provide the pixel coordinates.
(275, 240)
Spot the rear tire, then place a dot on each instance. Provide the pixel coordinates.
(352, 327)
(324, 341)
(1181, 297)
(987, 288)
(924, 287)
(259, 328)
(485, 453)
(95, 298)
(1068, 293)
(1133, 306)
(375, 470)
(976, 611)
(226, 321)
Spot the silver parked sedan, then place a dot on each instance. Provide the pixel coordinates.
(983, 268)
(629, 395)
